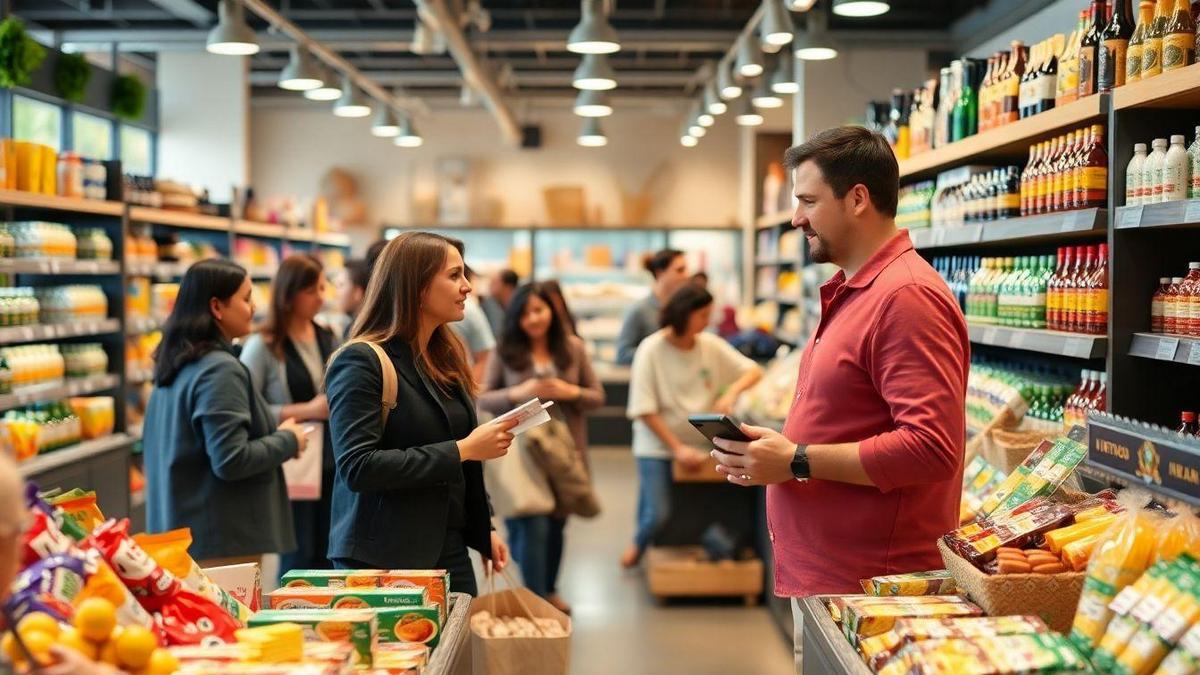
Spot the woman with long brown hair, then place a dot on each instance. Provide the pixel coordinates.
(409, 491)
(286, 359)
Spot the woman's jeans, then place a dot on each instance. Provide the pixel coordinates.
(536, 543)
(654, 499)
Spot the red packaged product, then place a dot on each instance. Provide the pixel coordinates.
(186, 618)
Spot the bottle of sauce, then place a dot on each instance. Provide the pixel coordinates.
(1074, 170)
(1179, 39)
(985, 93)
(1188, 289)
(1187, 422)
(1028, 82)
(1092, 189)
(1171, 306)
(1054, 182)
(1176, 172)
(1010, 204)
(1054, 300)
(1114, 42)
(1010, 109)
(1133, 175)
(1088, 48)
(1026, 175)
(1077, 292)
(1153, 42)
(1068, 89)
(1152, 172)
(1096, 296)
(1043, 179)
(1099, 397)
(1046, 88)
(1133, 55)
(1156, 304)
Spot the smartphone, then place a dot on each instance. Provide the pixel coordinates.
(719, 426)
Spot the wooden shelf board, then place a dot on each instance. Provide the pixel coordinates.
(250, 228)
(1008, 140)
(1175, 89)
(773, 219)
(194, 221)
(38, 201)
(74, 386)
(58, 266)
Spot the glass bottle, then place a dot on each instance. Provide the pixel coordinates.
(1088, 48)
(1010, 108)
(1157, 304)
(1049, 74)
(1153, 42)
(1179, 39)
(1188, 289)
(1133, 54)
(1187, 426)
(1068, 81)
(1095, 304)
(1171, 307)
(1092, 189)
(1114, 44)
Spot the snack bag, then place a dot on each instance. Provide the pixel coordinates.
(1161, 630)
(170, 549)
(81, 509)
(1138, 598)
(878, 650)
(1179, 535)
(1121, 555)
(1184, 659)
(186, 617)
(60, 582)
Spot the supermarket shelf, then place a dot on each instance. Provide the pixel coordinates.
(193, 221)
(140, 375)
(251, 228)
(58, 266)
(1005, 141)
(1175, 348)
(1048, 227)
(780, 299)
(76, 386)
(299, 234)
(33, 200)
(1116, 450)
(159, 270)
(773, 220)
(1044, 341)
(1175, 89)
(18, 334)
(40, 464)
(1165, 214)
(332, 239)
(141, 325)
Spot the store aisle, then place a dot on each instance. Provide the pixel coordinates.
(620, 628)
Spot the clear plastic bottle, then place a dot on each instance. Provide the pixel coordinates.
(1157, 303)
(1152, 172)
(1176, 171)
(1133, 175)
(1194, 157)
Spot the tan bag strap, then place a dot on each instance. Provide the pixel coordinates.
(390, 382)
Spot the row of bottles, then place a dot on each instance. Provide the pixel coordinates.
(1168, 173)
(1175, 305)
(987, 196)
(1091, 394)
(1045, 402)
(41, 428)
(1077, 292)
(1163, 39)
(1068, 172)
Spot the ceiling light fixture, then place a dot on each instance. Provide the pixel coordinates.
(776, 28)
(592, 136)
(592, 103)
(301, 73)
(706, 120)
(593, 34)
(231, 36)
(688, 141)
(801, 5)
(814, 44)
(783, 78)
(749, 57)
(727, 85)
(408, 137)
(351, 103)
(327, 91)
(595, 74)
(860, 8)
(763, 97)
(697, 131)
(712, 101)
(385, 125)
(747, 116)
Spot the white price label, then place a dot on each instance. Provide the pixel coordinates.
(28, 333)
(1167, 346)
(1077, 347)
(1192, 214)
(1194, 353)
(1017, 340)
(989, 336)
(1131, 216)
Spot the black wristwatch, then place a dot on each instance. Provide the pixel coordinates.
(800, 468)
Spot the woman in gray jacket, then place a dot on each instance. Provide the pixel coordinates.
(213, 454)
(536, 356)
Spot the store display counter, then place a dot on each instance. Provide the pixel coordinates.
(826, 650)
(452, 656)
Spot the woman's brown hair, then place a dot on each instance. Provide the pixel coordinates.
(392, 307)
(297, 273)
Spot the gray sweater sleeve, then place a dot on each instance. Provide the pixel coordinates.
(264, 368)
(221, 412)
(633, 331)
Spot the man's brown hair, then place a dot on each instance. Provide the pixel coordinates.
(851, 155)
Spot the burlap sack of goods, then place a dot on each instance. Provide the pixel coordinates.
(539, 654)
(553, 448)
(1053, 597)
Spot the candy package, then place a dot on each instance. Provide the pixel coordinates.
(437, 582)
(877, 650)
(170, 549)
(865, 616)
(1001, 655)
(1158, 632)
(60, 582)
(1136, 600)
(80, 508)
(1014, 479)
(186, 617)
(405, 614)
(938, 582)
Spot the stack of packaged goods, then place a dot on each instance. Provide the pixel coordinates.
(980, 478)
(1031, 400)
(1175, 305)
(912, 208)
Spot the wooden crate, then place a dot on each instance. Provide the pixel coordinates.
(684, 571)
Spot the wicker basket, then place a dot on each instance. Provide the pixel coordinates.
(1053, 597)
(1005, 449)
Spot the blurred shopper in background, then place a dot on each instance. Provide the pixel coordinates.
(351, 288)
(670, 271)
(501, 287)
(476, 332)
(561, 308)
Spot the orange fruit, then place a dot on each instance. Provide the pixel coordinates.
(162, 662)
(96, 618)
(9, 645)
(39, 621)
(134, 646)
(108, 650)
(38, 643)
(71, 637)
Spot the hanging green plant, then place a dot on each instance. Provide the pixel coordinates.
(128, 97)
(71, 76)
(20, 55)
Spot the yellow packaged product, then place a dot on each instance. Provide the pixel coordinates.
(80, 507)
(1180, 534)
(867, 616)
(170, 549)
(938, 582)
(1133, 598)
(1185, 658)
(1077, 553)
(879, 649)
(1057, 539)
(1122, 554)
(1157, 637)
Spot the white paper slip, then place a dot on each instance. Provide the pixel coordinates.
(530, 414)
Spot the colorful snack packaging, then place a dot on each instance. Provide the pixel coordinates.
(1002, 655)
(866, 616)
(1055, 540)
(877, 650)
(242, 581)
(1014, 530)
(186, 617)
(401, 655)
(1140, 597)
(1048, 474)
(1159, 632)
(938, 582)
(1184, 659)
(1122, 554)
(80, 509)
(436, 581)
(1014, 479)
(170, 549)
(405, 614)
(356, 627)
(1179, 535)
(320, 658)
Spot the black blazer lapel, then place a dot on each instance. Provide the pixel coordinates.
(405, 364)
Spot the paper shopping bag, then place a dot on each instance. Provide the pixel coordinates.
(303, 473)
(516, 484)
(498, 651)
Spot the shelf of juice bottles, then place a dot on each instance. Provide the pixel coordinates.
(192, 221)
(1174, 89)
(72, 386)
(58, 266)
(1164, 214)
(40, 464)
(1177, 348)
(1058, 343)
(141, 325)
(40, 332)
(1009, 140)
(1133, 453)
(33, 200)
(1047, 227)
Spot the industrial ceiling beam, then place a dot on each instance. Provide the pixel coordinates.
(432, 78)
(188, 10)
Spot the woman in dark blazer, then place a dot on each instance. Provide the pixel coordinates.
(213, 454)
(286, 359)
(536, 356)
(410, 494)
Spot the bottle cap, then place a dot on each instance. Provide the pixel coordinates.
(1159, 143)
(1177, 138)
(1164, 280)
(1176, 280)
(1187, 416)
(1141, 147)
(1194, 266)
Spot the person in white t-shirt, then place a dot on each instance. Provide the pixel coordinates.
(681, 370)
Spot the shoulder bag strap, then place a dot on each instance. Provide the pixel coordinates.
(388, 371)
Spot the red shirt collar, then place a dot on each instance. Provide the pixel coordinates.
(894, 248)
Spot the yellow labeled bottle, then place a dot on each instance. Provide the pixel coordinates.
(1179, 40)
(1133, 54)
(1152, 48)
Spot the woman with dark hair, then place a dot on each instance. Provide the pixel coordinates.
(408, 492)
(286, 360)
(213, 451)
(560, 306)
(670, 271)
(538, 358)
(681, 370)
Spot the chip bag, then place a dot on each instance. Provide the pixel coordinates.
(80, 509)
(186, 617)
(60, 582)
(1179, 535)
(170, 549)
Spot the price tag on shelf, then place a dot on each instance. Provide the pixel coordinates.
(989, 336)
(939, 236)
(1077, 347)
(92, 267)
(1192, 214)
(1129, 216)
(1070, 222)
(1167, 346)
(1194, 353)
(28, 333)
(1017, 340)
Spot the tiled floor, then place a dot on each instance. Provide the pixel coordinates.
(620, 628)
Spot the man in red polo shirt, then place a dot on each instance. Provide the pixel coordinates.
(868, 471)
